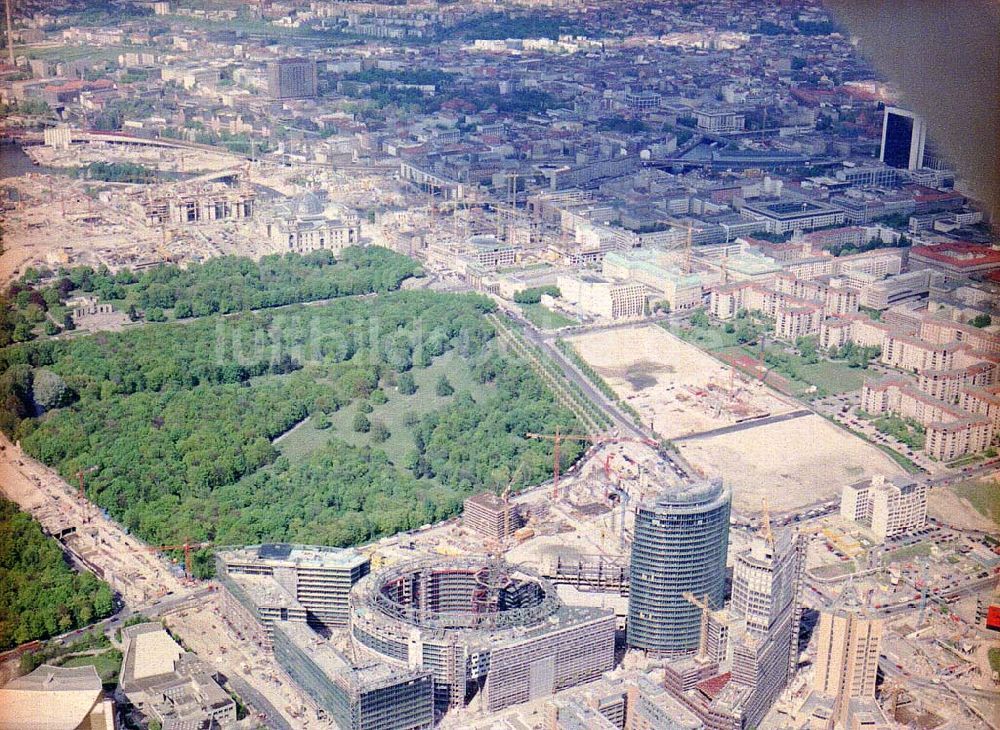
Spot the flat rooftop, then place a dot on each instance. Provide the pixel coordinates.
(334, 664)
(68, 694)
(790, 209)
(295, 555)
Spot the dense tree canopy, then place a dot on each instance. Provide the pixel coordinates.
(40, 596)
(179, 418)
(222, 285)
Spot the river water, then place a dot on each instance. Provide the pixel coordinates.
(14, 162)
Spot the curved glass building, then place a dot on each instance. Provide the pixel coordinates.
(679, 546)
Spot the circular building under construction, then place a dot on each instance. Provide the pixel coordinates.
(480, 626)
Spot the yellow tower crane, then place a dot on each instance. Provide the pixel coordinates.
(706, 606)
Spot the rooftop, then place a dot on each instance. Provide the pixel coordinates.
(50, 698)
(959, 255)
(286, 554)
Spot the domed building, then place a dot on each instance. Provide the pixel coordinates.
(301, 225)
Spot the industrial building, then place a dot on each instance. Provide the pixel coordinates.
(73, 699)
(373, 696)
(889, 506)
(482, 628)
(679, 548)
(281, 582)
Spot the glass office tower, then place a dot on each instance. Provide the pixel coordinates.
(679, 547)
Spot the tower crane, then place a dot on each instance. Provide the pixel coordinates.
(924, 588)
(188, 547)
(557, 438)
(80, 493)
(765, 525)
(705, 605)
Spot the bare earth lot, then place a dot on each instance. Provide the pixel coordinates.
(792, 463)
(675, 385)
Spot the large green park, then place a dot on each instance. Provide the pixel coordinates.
(373, 411)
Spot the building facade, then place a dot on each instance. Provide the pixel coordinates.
(904, 137)
(365, 697)
(310, 578)
(680, 545)
(291, 78)
(848, 648)
(890, 507)
(481, 628)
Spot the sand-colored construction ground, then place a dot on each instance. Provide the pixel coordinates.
(793, 463)
(675, 385)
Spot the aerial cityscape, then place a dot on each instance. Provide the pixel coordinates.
(476, 365)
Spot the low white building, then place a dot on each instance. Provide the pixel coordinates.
(598, 296)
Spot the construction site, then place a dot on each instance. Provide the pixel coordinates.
(932, 588)
(795, 462)
(673, 385)
(197, 204)
(723, 423)
(155, 580)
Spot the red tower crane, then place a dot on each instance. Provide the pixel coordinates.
(188, 547)
(557, 438)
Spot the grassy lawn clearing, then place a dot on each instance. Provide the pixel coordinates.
(306, 437)
(106, 663)
(984, 496)
(544, 318)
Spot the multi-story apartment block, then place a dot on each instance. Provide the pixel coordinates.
(941, 331)
(948, 385)
(890, 507)
(292, 78)
(792, 322)
(954, 439)
(983, 400)
(798, 306)
(951, 431)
